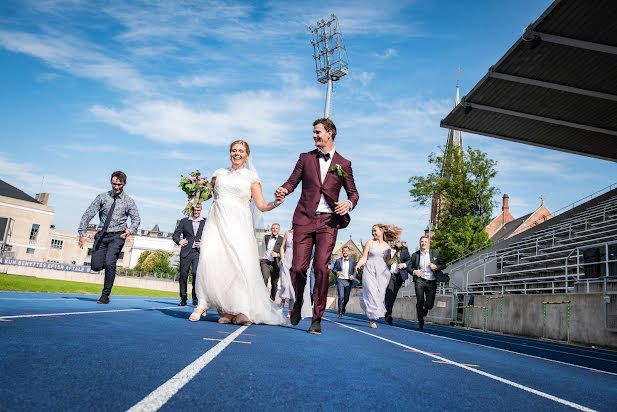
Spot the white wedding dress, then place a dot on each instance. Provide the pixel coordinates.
(228, 275)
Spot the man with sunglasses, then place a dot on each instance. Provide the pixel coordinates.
(114, 208)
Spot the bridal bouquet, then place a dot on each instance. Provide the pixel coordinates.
(197, 188)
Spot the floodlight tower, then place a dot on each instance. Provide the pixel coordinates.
(330, 55)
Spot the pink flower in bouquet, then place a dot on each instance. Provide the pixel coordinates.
(192, 178)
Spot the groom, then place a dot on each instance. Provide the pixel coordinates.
(319, 215)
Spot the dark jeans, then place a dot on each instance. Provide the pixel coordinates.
(343, 288)
(270, 270)
(185, 264)
(424, 288)
(396, 281)
(105, 255)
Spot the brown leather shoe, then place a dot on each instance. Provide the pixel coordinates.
(241, 319)
(340, 316)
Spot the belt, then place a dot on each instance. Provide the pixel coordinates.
(322, 213)
(267, 261)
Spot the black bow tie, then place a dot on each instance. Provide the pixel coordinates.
(326, 156)
(346, 260)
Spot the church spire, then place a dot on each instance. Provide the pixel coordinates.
(455, 139)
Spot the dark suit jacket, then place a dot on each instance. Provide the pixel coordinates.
(277, 247)
(414, 263)
(308, 172)
(406, 259)
(185, 228)
(338, 266)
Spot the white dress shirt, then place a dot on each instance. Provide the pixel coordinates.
(425, 262)
(324, 168)
(270, 248)
(345, 269)
(195, 223)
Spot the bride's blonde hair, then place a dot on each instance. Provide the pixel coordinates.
(391, 233)
(243, 143)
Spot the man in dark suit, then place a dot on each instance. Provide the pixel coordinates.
(397, 278)
(271, 261)
(344, 268)
(190, 228)
(425, 265)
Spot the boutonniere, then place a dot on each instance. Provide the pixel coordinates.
(338, 170)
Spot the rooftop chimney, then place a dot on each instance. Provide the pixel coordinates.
(506, 199)
(42, 197)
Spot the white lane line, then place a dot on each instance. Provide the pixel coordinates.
(39, 315)
(499, 349)
(163, 393)
(479, 372)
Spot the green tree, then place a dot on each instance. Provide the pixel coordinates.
(462, 184)
(156, 261)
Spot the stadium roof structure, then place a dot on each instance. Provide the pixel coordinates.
(555, 87)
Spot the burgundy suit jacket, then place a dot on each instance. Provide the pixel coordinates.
(307, 171)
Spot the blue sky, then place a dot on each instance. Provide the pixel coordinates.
(158, 89)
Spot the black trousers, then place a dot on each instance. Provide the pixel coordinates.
(396, 281)
(425, 295)
(270, 270)
(105, 256)
(185, 264)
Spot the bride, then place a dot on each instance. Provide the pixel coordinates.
(228, 274)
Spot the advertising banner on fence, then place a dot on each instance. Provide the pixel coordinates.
(44, 265)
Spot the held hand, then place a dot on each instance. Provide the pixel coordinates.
(126, 233)
(198, 244)
(339, 273)
(274, 254)
(281, 192)
(417, 273)
(351, 277)
(82, 241)
(401, 266)
(342, 207)
(432, 266)
(183, 242)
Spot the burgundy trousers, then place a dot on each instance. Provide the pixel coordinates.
(321, 233)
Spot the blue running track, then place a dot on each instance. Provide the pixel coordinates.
(65, 352)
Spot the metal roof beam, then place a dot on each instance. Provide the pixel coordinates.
(554, 86)
(567, 41)
(529, 142)
(540, 118)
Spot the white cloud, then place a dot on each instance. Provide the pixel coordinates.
(75, 56)
(257, 116)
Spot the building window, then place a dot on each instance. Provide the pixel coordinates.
(34, 232)
(8, 248)
(56, 244)
(89, 251)
(121, 256)
(86, 263)
(30, 251)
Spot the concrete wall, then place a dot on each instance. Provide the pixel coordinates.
(521, 315)
(134, 282)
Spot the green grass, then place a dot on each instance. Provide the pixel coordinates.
(33, 284)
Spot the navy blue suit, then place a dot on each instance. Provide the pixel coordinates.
(344, 285)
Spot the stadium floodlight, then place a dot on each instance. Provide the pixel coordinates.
(330, 55)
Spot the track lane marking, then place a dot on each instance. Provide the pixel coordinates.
(493, 347)
(235, 341)
(38, 315)
(478, 371)
(163, 393)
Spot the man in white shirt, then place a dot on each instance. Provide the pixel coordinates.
(270, 261)
(344, 268)
(190, 229)
(424, 264)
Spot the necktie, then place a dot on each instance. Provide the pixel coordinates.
(107, 222)
(326, 156)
